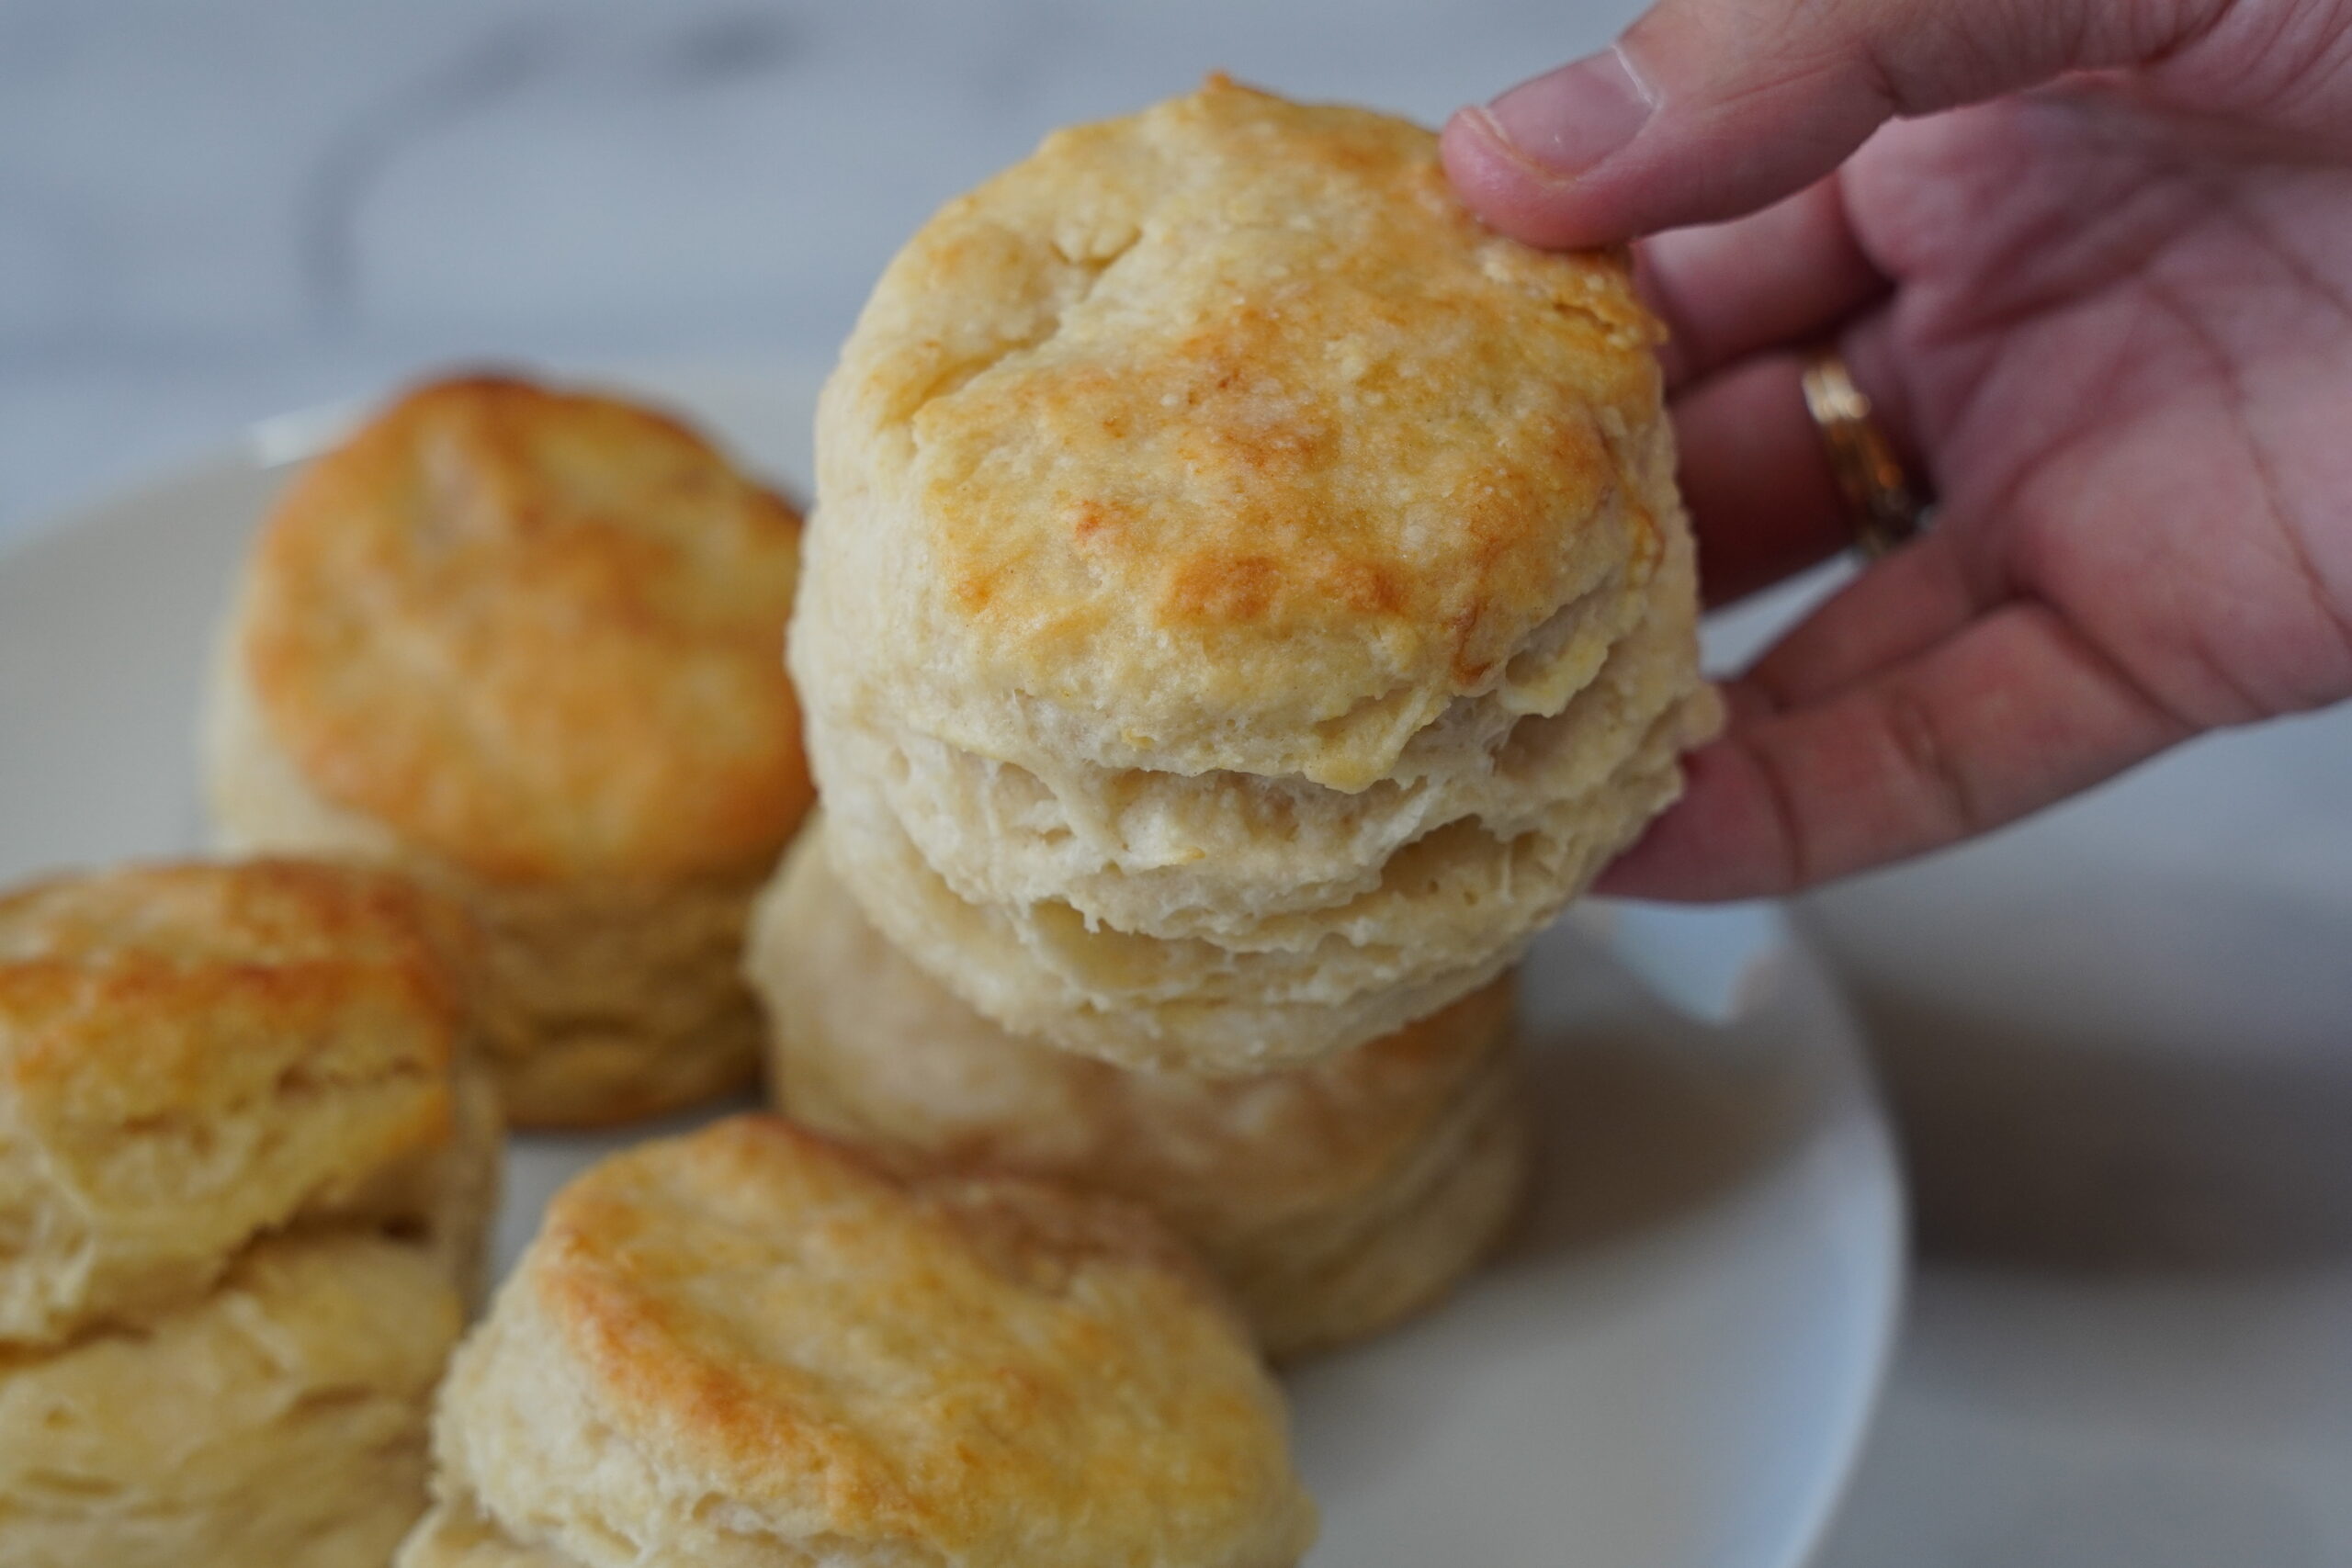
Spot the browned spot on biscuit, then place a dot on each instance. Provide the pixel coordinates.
(537, 634)
(1091, 517)
(1223, 588)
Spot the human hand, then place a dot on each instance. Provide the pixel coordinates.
(2107, 310)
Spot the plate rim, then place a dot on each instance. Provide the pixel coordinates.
(1890, 1282)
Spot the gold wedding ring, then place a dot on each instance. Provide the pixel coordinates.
(1884, 511)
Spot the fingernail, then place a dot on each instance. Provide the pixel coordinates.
(1565, 121)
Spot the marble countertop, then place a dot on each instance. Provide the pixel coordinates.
(2117, 1039)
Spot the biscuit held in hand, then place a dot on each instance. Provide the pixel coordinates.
(1251, 596)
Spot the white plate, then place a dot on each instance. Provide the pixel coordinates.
(1671, 1369)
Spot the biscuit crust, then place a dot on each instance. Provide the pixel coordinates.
(1222, 437)
(536, 634)
(751, 1345)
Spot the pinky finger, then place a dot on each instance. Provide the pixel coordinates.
(2009, 714)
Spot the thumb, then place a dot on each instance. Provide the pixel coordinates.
(1706, 109)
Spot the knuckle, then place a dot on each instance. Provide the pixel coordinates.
(1924, 756)
(1795, 860)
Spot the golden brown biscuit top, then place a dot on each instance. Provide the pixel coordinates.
(1228, 415)
(193, 1053)
(539, 634)
(986, 1369)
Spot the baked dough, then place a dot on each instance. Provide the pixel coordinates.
(750, 1348)
(525, 646)
(1251, 599)
(1333, 1199)
(193, 1056)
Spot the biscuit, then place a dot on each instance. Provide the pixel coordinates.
(193, 1056)
(751, 1346)
(1333, 1199)
(280, 1418)
(526, 647)
(1254, 590)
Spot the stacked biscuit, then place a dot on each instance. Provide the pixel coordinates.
(1333, 1199)
(246, 1167)
(1249, 599)
(524, 646)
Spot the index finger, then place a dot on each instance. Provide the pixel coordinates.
(2012, 714)
(1786, 275)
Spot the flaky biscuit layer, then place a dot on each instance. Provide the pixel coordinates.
(278, 1418)
(192, 1056)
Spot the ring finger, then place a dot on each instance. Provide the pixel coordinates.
(1764, 499)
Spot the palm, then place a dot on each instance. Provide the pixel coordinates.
(2126, 351)
(2110, 318)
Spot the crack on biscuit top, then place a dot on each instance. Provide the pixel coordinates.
(1086, 271)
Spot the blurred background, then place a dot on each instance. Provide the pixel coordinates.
(214, 211)
(2116, 1038)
